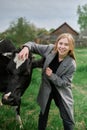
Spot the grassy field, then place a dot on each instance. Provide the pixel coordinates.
(30, 109)
(80, 89)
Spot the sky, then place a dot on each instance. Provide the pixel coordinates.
(46, 14)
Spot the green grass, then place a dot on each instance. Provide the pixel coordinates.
(80, 89)
(30, 109)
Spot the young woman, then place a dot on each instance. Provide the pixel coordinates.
(57, 74)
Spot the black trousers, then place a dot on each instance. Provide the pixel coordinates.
(67, 122)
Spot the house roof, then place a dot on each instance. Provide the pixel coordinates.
(64, 28)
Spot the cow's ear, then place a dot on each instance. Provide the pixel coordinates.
(6, 45)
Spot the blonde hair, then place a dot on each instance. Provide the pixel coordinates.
(71, 43)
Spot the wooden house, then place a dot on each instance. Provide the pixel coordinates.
(51, 38)
(64, 28)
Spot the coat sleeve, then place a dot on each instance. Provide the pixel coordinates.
(65, 79)
(40, 49)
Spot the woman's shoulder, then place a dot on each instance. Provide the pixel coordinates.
(49, 48)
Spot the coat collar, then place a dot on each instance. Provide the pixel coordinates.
(62, 66)
(49, 58)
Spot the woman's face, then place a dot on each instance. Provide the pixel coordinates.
(63, 47)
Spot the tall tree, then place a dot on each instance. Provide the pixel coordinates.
(82, 16)
(21, 31)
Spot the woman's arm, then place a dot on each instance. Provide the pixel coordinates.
(39, 48)
(64, 80)
(42, 50)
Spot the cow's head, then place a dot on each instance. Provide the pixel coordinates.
(20, 72)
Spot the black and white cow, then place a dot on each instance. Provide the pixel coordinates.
(15, 75)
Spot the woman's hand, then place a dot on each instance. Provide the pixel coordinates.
(23, 53)
(48, 71)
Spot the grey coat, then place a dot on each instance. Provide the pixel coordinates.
(61, 79)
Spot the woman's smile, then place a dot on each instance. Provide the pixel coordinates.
(63, 47)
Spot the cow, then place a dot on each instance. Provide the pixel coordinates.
(15, 75)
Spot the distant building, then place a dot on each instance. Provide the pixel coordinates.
(51, 38)
(83, 34)
(64, 28)
(43, 39)
(82, 41)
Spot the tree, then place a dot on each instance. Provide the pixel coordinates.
(51, 30)
(21, 31)
(82, 19)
